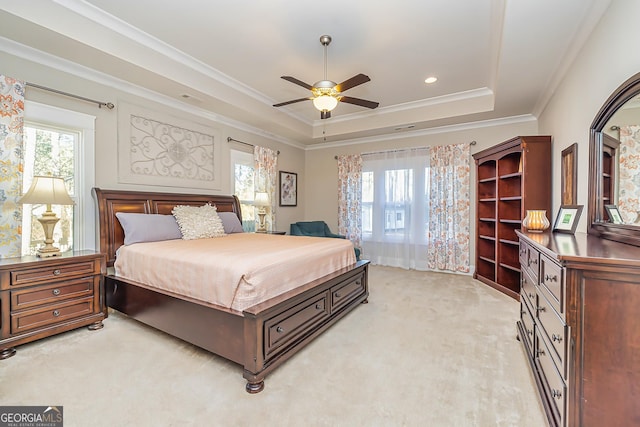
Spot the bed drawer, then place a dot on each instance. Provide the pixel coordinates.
(346, 292)
(32, 276)
(40, 317)
(294, 323)
(39, 295)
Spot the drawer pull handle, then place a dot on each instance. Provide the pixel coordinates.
(540, 353)
(550, 278)
(543, 308)
(556, 394)
(532, 295)
(279, 329)
(337, 294)
(56, 313)
(529, 332)
(318, 306)
(56, 272)
(56, 292)
(534, 261)
(556, 337)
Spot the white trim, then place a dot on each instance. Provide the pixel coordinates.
(84, 226)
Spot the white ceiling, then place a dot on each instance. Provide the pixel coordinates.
(495, 59)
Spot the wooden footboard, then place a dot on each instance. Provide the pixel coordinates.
(261, 337)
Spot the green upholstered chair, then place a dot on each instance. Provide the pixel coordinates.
(316, 229)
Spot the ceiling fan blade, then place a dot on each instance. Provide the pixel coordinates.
(360, 102)
(352, 82)
(298, 82)
(291, 102)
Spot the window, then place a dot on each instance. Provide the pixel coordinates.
(242, 171)
(61, 143)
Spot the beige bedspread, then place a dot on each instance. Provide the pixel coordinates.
(235, 271)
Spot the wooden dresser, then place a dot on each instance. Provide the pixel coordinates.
(580, 327)
(40, 297)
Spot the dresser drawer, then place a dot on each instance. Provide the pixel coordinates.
(30, 297)
(555, 330)
(528, 290)
(346, 292)
(530, 260)
(552, 283)
(32, 276)
(528, 324)
(553, 385)
(49, 315)
(294, 322)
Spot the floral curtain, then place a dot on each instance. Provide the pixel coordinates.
(11, 164)
(449, 216)
(265, 180)
(349, 198)
(628, 197)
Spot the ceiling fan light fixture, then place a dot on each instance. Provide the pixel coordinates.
(325, 102)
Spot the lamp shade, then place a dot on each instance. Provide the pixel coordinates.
(47, 190)
(325, 102)
(261, 199)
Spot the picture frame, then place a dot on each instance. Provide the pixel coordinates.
(288, 188)
(569, 177)
(567, 219)
(614, 214)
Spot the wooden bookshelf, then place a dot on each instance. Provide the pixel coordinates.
(512, 177)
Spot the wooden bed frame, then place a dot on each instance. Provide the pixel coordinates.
(260, 338)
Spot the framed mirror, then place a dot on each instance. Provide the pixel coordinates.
(614, 175)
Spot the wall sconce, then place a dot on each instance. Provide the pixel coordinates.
(536, 221)
(47, 190)
(261, 200)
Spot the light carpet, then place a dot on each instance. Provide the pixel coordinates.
(430, 349)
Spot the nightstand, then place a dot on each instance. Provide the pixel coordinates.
(282, 233)
(40, 297)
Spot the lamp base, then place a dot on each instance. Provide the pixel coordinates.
(48, 252)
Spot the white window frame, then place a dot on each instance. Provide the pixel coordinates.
(84, 211)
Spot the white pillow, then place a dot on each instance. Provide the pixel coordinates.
(198, 222)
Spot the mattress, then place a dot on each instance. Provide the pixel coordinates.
(235, 271)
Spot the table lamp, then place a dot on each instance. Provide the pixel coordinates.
(47, 190)
(262, 201)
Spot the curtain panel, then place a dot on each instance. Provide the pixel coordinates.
(628, 197)
(265, 180)
(349, 198)
(449, 216)
(11, 165)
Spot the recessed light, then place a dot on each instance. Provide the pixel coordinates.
(430, 80)
(405, 127)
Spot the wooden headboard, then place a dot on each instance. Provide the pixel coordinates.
(111, 202)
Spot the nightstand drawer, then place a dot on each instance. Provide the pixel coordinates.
(31, 297)
(32, 276)
(27, 320)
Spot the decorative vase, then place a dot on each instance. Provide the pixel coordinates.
(536, 221)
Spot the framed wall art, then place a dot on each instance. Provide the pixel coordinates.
(567, 218)
(569, 174)
(614, 214)
(288, 188)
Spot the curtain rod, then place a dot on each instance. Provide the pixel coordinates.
(101, 104)
(398, 150)
(229, 139)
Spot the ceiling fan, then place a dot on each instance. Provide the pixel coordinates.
(325, 93)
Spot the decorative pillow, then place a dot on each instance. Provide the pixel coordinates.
(230, 222)
(140, 227)
(198, 222)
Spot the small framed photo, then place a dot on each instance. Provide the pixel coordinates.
(288, 188)
(567, 218)
(614, 214)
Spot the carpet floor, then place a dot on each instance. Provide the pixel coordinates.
(430, 349)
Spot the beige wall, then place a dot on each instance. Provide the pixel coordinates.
(106, 125)
(609, 57)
